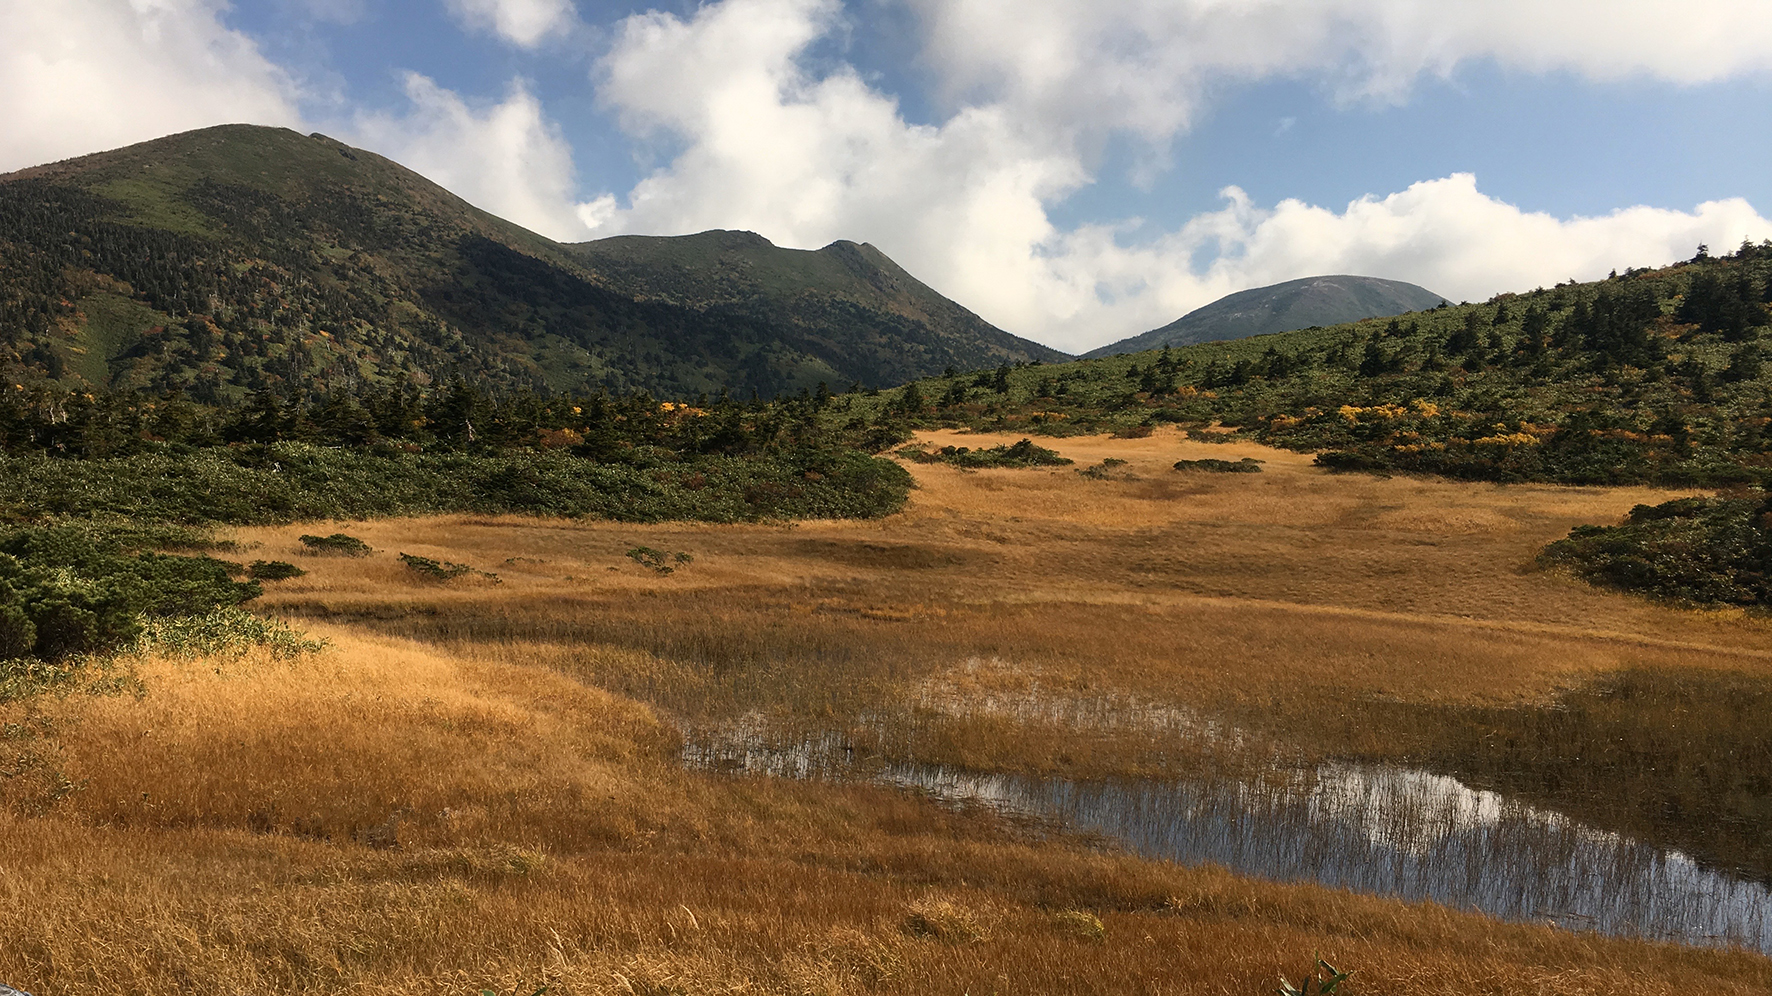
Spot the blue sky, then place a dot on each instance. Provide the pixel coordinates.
(1074, 171)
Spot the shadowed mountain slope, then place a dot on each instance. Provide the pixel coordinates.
(238, 258)
(1283, 307)
(893, 320)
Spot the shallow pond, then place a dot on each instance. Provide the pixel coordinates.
(1376, 829)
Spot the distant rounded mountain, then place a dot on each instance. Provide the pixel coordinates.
(1295, 304)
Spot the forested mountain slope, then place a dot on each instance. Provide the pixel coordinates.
(232, 259)
(899, 324)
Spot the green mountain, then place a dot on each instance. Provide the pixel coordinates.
(232, 259)
(847, 296)
(1283, 307)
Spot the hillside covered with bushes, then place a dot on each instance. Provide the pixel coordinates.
(231, 260)
(1649, 376)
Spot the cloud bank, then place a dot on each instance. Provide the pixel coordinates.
(807, 158)
(504, 157)
(1147, 66)
(77, 76)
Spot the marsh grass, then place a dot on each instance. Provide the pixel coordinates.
(1678, 757)
(224, 832)
(544, 826)
(651, 878)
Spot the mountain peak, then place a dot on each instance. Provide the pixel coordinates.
(1283, 307)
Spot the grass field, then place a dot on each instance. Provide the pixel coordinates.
(477, 786)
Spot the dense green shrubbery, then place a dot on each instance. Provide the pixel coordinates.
(69, 590)
(1024, 453)
(1708, 550)
(293, 481)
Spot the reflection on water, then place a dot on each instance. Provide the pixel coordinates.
(1384, 830)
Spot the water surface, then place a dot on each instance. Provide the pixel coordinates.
(1383, 830)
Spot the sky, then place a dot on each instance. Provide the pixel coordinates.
(1074, 171)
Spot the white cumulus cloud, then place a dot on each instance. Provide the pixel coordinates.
(806, 160)
(505, 157)
(761, 142)
(1148, 66)
(1445, 235)
(520, 22)
(77, 76)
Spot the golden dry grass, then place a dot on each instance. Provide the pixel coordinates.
(477, 785)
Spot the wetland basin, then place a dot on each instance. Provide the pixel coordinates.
(1375, 829)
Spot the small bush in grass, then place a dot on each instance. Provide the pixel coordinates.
(1020, 454)
(273, 570)
(434, 570)
(1247, 465)
(658, 561)
(336, 545)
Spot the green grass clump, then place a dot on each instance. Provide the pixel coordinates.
(225, 632)
(1324, 978)
(1080, 924)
